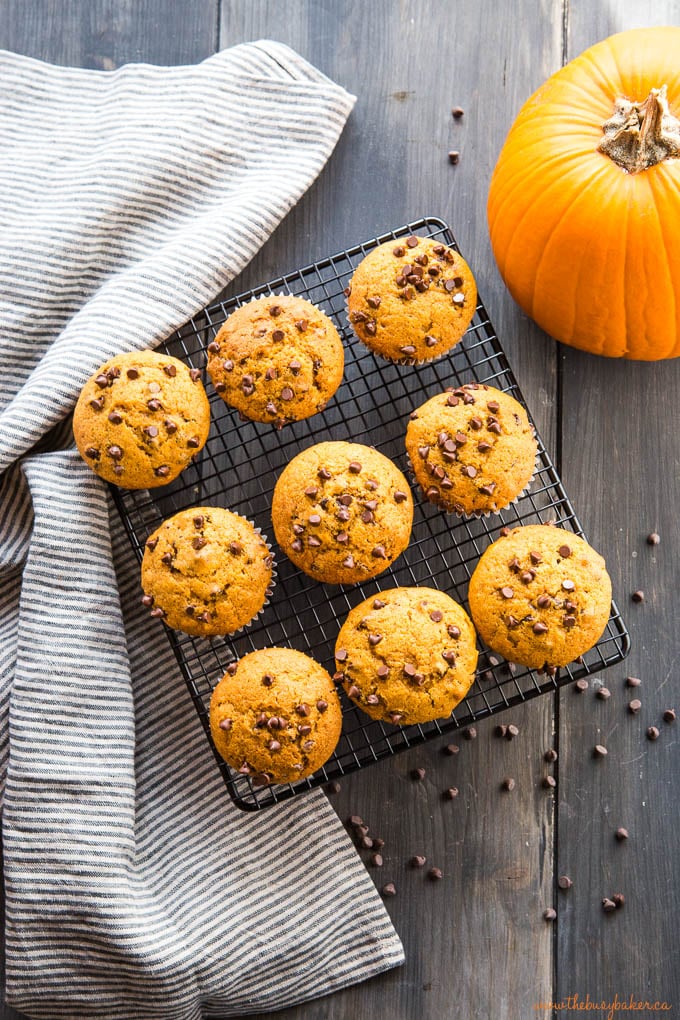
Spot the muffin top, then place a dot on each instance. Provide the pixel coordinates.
(472, 449)
(140, 419)
(275, 716)
(342, 512)
(540, 596)
(407, 655)
(411, 300)
(276, 359)
(206, 571)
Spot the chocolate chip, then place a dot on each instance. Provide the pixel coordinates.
(399, 496)
(633, 681)
(147, 600)
(513, 731)
(151, 431)
(540, 628)
(166, 558)
(500, 730)
(619, 900)
(543, 601)
(102, 381)
(341, 655)
(278, 335)
(652, 733)
(333, 787)
(549, 782)
(151, 544)
(669, 715)
(195, 374)
(225, 724)
(170, 427)
(132, 373)
(603, 693)
(417, 861)
(454, 156)
(457, 112)
(470, 733)
(170, 370)
(470, 471)
(348, 562)
(314, 542)
(408, 349)
(621, 834)
(153, 404)
(449, 656)
(163, 471)
(653, 539)
(430, 341)
(564, 882)
(581, 685)
(324, 474)
(314, 518)
(634, 706)
(507, 593)
(379, 552)
(508, 783)
(527, 576)
(488, 490)
(228, 365)
(193, 442)
(568, 585)
(599, 751)
(514, 565)
(374, 639)
(608, 905)
(158, 613)
(418, 774)
(92, 452)
(355, 821)
(564, 551)
(435, 874)
(388, 890)
(550, 755)
(451, 793)
(453, 631)
(367, 517)
(199, 542)
(638, 596)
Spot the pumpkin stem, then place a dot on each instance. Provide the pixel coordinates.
(639, 135)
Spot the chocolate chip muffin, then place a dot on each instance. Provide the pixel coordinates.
(275, 716)
(411, 300)
(277, 359)
(206, 571)
(407, 655)
(140, 419)
(472, 449)
(540, 596)
(342, 512)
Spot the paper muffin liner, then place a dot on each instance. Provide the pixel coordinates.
(287, 421)
(270, 587)
(407, 362)
(476, 514)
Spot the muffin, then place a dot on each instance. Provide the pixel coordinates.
(206, 571)
(140, 419)
(342, 512)
(275, 716)
(411, 300)
(276, 359)
(407, 655)
(540, 596)
(472, 449)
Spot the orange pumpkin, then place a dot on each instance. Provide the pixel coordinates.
(584, 203)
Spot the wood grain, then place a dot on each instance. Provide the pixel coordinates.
(620, 464)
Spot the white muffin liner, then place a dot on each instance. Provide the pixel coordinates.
(270, 587)
(407, 362)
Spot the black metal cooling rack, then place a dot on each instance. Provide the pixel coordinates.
(239, 466)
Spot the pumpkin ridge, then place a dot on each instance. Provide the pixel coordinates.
(664, 242)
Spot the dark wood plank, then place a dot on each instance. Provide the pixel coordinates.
(620, 464)
(102, 35)
(476, 944)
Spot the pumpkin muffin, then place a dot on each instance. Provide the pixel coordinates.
(206, 571)
(275, 716)
(407, 655)
(276, 359)
(342, 512)
(540, 596)
(472, 449)
(411, 300)
(140, 419)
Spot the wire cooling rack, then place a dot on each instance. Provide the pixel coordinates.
(239, 466)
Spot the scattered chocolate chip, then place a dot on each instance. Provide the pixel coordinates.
(653, 539)
(621, 834)
(669, 715)
(500, 730)
(633, 681)
(549, 782)
(388, 890)
(451, 793)
(435, 874)
(470, 733)
(652, 733)
(638, 596)
(451, 749)
(418, 774)
(581, 685)
(564, 882)
(599, 751)
(550, 755)
(457, 112)
(333, 786)
(549, 914)
(508, 783)
(619, 899)
(512, 732)
(417, 861)
(377, 860)
(608, 905)
(454, 156)
(634, 706)
(603, 693)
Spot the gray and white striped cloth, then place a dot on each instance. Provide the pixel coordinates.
(134, 888)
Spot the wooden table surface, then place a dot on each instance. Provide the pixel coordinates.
(476, 942)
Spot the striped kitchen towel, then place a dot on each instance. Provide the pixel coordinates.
(134, 888)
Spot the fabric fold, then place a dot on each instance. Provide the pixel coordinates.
(134, 888)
